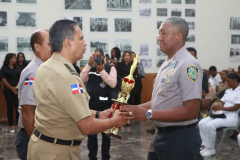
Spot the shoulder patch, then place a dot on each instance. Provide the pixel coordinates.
(192, 72)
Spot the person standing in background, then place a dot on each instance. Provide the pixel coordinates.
(42, 51)
(10, 76)
(223, 84)
(115, 56)
(137, 90)
(21, 61)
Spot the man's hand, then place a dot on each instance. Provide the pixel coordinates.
(120, 119)
(105, 114)
(91, 61)
(99, 67)
(14, 89)
(138, 113)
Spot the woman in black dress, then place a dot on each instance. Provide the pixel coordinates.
(21, 61)
(10, 75)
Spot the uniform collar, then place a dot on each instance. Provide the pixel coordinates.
(176, 56)
(37, 60)
(62, 59)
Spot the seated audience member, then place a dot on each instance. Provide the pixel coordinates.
(215, 77)
(229, 105)
(230, 70)
(222, 85)
(193, 52)
(208, 98)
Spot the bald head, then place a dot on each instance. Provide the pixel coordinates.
(180, 25)
(37, 38)
(230, 70)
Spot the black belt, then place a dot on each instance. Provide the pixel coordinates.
(58, 141)
(174, 128)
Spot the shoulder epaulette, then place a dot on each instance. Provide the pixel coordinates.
(71, 70)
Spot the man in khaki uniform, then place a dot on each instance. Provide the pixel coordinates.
(208, 98)
(62, 116)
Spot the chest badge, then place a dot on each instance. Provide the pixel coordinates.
(168, 81)
(192, 72)
(163, 80)
(103, 84)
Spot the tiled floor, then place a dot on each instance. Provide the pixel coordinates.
(133, 146)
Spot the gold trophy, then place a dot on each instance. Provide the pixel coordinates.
(123, 96)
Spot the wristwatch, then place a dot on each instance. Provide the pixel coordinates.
(149, 115)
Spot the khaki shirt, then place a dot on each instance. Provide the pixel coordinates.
(222, 86)
(59, 105)
(171, 90)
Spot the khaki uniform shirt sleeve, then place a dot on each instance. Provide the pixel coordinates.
(27, 94)
(75, 105)
(190, 89)
(212, 93)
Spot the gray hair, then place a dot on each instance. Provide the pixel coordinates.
(180, 23)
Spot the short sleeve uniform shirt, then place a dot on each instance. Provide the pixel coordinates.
(179, 79)
(230, 98)
(25, 86)
(61, 99)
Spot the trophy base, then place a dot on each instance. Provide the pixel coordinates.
(114, 136)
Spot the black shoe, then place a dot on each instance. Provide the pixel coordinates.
(234, 136)
(152, 131)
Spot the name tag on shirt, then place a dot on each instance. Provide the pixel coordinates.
(103, 98)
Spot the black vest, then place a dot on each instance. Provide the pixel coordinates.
(98, 90)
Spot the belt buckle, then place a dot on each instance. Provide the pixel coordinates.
(72, 143)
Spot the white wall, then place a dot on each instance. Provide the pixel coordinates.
(212, 27)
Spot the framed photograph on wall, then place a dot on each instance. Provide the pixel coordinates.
(159, 62)
(234, 54)
(144, 50)
(99, 25)
(235, 39)
(190, 1)
(3, 19)
(6, 1)
(146, 63)
(23, 45)
(26, 1)
(162, 1)
(145, 11)
(119, 5)
(176, 12)
(159, 24)
(123, 24)
(99, 44)
(77, 19)
(190, 13)
(145, 1)
(191, 25)
(162, 12)
(176, 1)
(191, 38)
(3, 44)
(124, 44)
(26, 19)
(234, 23)
(77, 4)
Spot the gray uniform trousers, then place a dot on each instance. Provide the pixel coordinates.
(182, 144)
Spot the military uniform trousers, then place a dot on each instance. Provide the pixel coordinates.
(92, 145)
(182, 144)
(42, 150)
